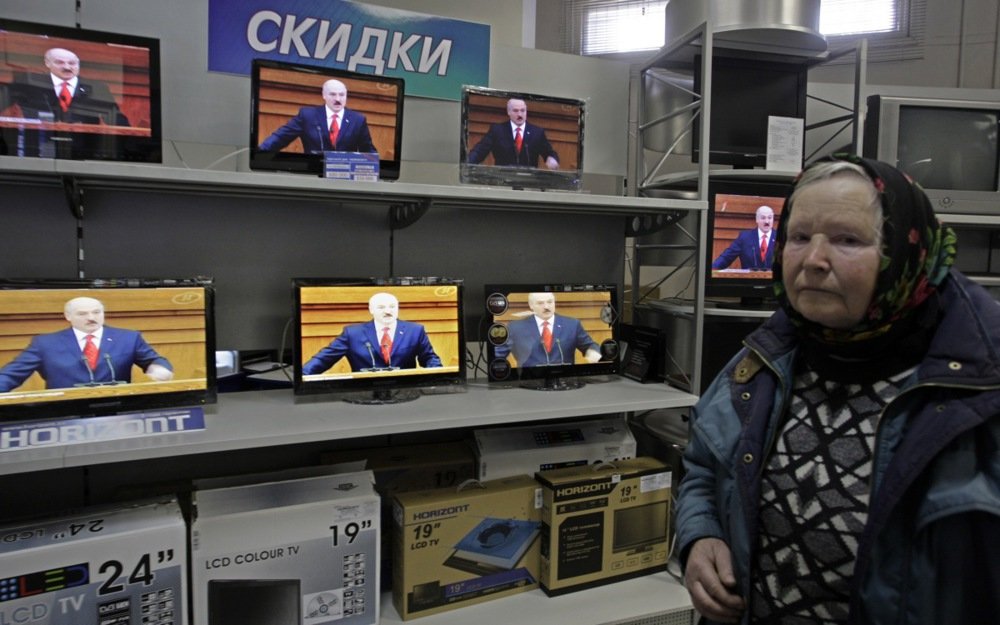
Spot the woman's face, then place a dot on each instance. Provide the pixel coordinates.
(831, 256)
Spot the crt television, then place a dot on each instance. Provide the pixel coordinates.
(744, 94)
(732, 209)
(584, 327)
(338, 350)
(488, 154)
(173, 317)
(114, 112)
(279, 90)
(950, 146)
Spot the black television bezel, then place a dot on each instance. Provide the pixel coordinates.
(125, 403)
(296, 162)
(750, 290)
(552, 372)
(348, 387)
(743, 156)
(513, 176)
(139, 149)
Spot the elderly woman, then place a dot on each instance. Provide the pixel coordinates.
(845, 465)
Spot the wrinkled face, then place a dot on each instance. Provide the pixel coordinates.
(542, 304)
(85, 314)
(384, 308)
(517, 110)
(831, 258)
(765, 218)
(62, 63)
(335, 95)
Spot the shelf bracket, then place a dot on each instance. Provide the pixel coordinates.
(74, 196)
(639, 225)
(406, 214)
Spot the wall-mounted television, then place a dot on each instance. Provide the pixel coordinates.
(521, 140)
(744, 94)
(377, 340)
(551, 336)
(73, 93)
(743, 218)
(290, 116)
(950, 146)
(153, 346)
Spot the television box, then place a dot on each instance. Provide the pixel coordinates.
(350, 166)
(604, 523)
(453, 548)
(103, 565)
(294, 551)
(403, 468)
(524, 450)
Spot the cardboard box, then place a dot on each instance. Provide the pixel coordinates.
(351, 166)
(453, 548)
(603, 523)
(121, 565)
(296, 551)
(525, 450)
(401, 468)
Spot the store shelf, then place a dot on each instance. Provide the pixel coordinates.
(159, 178)
(643, 600)
(257, 419)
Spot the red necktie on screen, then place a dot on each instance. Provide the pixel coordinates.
(763, 247)
(90, 352)
(65, 97)
(334, 131)
(386, 345)
(546, 336)
(517, 139)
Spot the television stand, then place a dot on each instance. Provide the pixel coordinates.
(381, 396)
(553, 384)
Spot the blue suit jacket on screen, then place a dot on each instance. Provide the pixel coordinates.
(360, 344)
(525, 342)
(500, 141)
(310, 126)
(746, 247)
(58, 359)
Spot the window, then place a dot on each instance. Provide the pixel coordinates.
(894, 28)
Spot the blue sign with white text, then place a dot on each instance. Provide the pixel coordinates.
(434, 55)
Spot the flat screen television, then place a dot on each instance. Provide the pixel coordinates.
(109, 111)
(744, 94)
(739, 211)
(154, 346)
(584, 327)
(342, 351)
(289, 129)
(950, 146)
(550, 152)
(639, 527)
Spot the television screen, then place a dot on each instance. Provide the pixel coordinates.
(377, 340)
(640, 527)
(521, 140)
(744, 93)
(546, 336)
(97, 347)
(291, 110)
(742, 222)
(78, 94)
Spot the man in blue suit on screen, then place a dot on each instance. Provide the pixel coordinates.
(546, 338)
(515, 142)
(755, 247)
(88, 353)
(330, 127)
(385, 343)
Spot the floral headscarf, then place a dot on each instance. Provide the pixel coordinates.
(917, 251)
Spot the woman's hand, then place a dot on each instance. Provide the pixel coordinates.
(710, 580)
